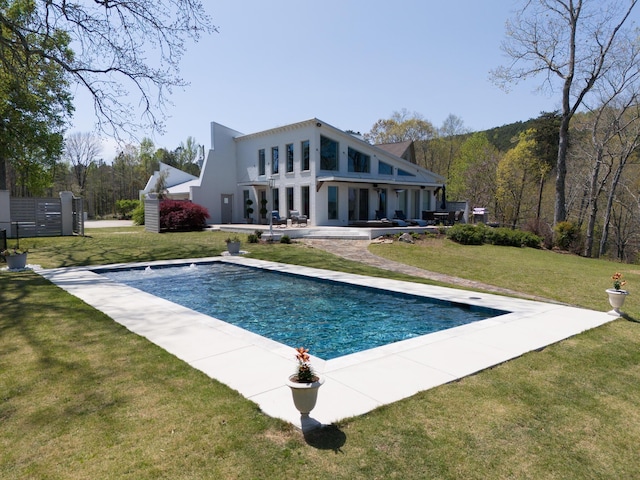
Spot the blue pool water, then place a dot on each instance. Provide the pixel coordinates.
(331, 319)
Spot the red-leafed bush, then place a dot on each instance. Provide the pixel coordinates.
(182, 215)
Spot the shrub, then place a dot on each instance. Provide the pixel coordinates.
(512, 238)
(258, 233)
(285, 239)
(138, 214)
(467, 234)
(567, 236)
(182, 215)
(253, 238)
(541, 229)
(125, 208)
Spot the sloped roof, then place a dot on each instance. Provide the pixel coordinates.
(398, 149)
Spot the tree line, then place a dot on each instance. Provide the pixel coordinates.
(510, 170)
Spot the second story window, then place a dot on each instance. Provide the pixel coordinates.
(305, 155)
(261, 162)
(289, 157)
(358, 161)
(274, 160)
(384, 168)
(329, 159)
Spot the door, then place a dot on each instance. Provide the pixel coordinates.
(226, 205)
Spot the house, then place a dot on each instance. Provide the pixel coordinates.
(331, 176)
(175, 182)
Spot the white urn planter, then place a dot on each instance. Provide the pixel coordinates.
(16, 261)
(616, 300)
(304, 395)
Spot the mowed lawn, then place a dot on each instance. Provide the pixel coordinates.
(83, 398)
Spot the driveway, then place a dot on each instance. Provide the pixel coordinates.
(107, 223)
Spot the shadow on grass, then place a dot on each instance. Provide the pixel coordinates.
(628, 317)
(329, 437)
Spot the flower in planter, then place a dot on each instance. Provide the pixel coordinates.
(234, 239)
(617, 281)
(305, 373)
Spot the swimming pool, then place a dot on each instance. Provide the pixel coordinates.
(355, 384)
(330, 318)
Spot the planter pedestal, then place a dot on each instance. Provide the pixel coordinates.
(16, 262)
(616, 300)
(304, 395)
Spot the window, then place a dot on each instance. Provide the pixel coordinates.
(261, 162)
(276, 199)
(304, 193)
(289, 200)
(404, 173)
(358, 161)
(384, 169)
(290, 157)
(382, 204)
(305, 155)
(358, 204)
(332, 203)
(328, 154)
(274, 160)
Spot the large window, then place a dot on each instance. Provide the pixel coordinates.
(329, 159)
(261, 162)
(289, 157)
(384, 169)
(332, 203)
(358, 161)
(382, 204)
(304, 193)
(289, 200)
(404, 173)
(358, 204)
(274, 160)
(305, 155)
(276, 199)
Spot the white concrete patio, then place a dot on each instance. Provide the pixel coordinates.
(355, 384)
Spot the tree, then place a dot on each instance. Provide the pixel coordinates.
(35, 103)
(118, 47)
(573, 40)
(81, 150)
(402, 126)
(516, 174)
(473, 172)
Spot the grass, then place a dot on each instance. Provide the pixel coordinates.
(82, 397)
(561, 277)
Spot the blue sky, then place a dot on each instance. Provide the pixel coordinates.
(347, 62)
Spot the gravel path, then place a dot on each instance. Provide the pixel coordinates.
(357, 250)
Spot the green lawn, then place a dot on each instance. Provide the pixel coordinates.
(81, 397)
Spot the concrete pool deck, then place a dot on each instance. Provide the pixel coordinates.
(354, 384)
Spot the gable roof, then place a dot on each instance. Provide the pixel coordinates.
(399, 149)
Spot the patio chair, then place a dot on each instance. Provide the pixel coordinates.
(451, 218)
(297, 219)
(399, 219)
(276, 220)
(399, 215)
(429, 217)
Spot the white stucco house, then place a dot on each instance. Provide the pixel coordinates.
(331, 176)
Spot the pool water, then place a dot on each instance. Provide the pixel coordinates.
(331, 319)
